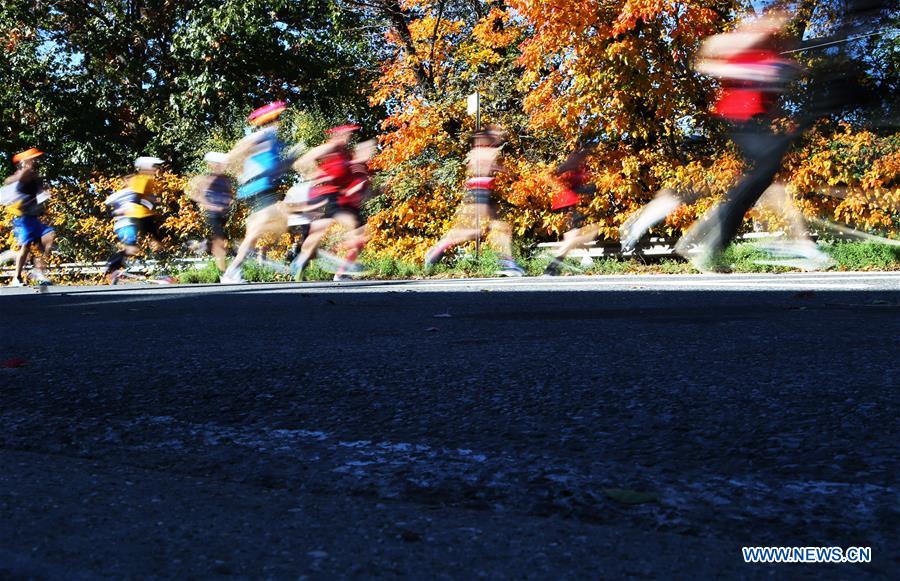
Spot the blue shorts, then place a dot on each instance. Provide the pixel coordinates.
(29, 230)
(128, 234)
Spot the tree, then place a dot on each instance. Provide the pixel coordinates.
(97, 83)
(616, 73)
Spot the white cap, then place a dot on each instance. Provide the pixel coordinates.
(216, 157)
(147, 162)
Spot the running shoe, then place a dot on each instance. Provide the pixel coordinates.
(628, 238)
(510, 269)
(554, 268)
(351, 268)
(800, 254)
(16, 282)
(298, 265)
(41, 277)
(232, 277)
(814, 259)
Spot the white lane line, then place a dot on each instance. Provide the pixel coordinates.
(821, 281)
(509, 286)
(598, 288)
(662, 282)
(857, 281)
(680, 278)
(595, 284)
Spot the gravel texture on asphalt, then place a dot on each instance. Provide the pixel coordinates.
(266, 432)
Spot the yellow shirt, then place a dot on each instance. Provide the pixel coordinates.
(145, 187)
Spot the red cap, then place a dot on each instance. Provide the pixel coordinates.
(342, 129)
(268, 113)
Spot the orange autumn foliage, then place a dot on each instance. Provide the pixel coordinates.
(557, 72)
(553, 73)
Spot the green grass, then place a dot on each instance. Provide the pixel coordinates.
(743, 257)
(740, 258)
(388, 268)
(207, 274)
(484, 266)
(864, 255)
(850, 256)
(255, 272)
(252, 272)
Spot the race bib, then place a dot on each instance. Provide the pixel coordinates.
(7, 194)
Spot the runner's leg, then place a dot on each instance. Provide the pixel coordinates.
(21, 259)
(463, 230)
(311, 244)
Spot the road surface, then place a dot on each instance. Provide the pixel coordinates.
(643, 426)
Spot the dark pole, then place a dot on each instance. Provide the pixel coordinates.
(478, 210)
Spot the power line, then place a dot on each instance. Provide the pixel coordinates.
(840, 41)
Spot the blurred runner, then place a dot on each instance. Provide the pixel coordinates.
(134, 214)
(214, 192)
(666, 201)
(479, 208)
(24, 194)
(260, 157)
(753, 75)
(572, 177)
(796, 249)
(331, 166)
(349, 211)
(300, 215)
(669, 199)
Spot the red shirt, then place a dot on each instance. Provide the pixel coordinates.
(571, 181)
(359, 179)
(336, 167)
(743, 99)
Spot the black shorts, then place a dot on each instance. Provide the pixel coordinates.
(301, 230)
(150, 226)
(574, 218)
(330, 208)
(355, 213)
(480, 196)
(216, 222)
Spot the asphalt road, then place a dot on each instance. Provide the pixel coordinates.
(578, 428)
